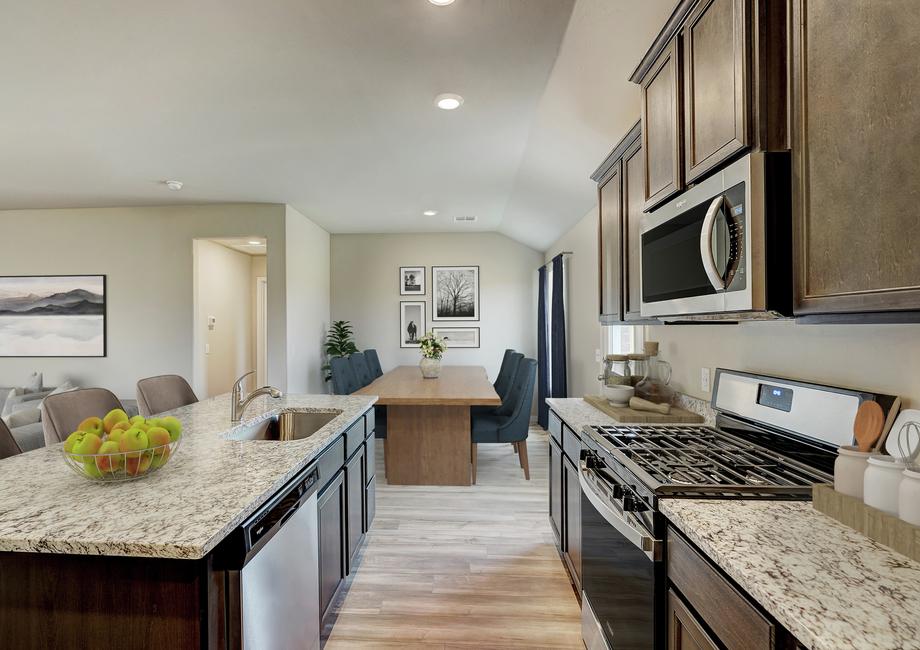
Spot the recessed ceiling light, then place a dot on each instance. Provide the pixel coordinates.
(174, 186)
(254, 243)
(441, 3)
(430, 213)
(448, 101)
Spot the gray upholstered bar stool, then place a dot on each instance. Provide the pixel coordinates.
(163, 393)
(8, 445)
(62, 413)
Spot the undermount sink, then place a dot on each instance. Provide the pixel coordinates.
(287, 425)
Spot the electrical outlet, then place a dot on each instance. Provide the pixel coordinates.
(597, 356)
(705, 380)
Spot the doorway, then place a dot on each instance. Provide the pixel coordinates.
(230, 312)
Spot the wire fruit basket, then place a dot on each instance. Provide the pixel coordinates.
(121, 466)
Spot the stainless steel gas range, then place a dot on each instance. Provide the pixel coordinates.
(774, 438)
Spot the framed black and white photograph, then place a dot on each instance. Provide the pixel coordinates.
(458, 337)
(412, 280)
(411, 323)
(455, 292)
(52, 316)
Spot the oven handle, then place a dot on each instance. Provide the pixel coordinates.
(648, 545)
(709, 263)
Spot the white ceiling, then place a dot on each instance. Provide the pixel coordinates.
(322, 104)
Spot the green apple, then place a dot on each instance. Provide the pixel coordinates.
(157, 438)
(172, 425)
(92, 425)
(160, 459)
(116, 434)
(137, 419)
(109, 463)
(153, 422)
(133, 440)
(135, 466)
(90, 469)
(72, 440)
(112, 418)
(88, 445)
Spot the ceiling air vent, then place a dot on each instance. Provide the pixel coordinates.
(466, 219)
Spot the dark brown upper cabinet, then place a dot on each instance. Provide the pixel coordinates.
(610, 242)
(856, 130)
(717, 96)
(633, 201)
(661, 127)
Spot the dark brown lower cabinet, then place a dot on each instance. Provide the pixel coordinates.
(684, 631)
(331, 513)
(354, 502)
(556, 491)
(572, 521)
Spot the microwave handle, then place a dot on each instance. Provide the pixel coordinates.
(709, 263)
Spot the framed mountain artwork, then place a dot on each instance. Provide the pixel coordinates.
(52, 316)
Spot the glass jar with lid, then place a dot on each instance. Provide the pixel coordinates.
(617, 370)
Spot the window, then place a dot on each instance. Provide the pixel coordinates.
(624, 339)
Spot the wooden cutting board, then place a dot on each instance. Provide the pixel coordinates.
(632, 416)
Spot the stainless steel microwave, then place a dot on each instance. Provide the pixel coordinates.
(722, 250)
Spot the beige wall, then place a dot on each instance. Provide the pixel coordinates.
(365, 291)
(884, 358)
(146, 254)
(222, 285)
(585, 333)
(307, 303)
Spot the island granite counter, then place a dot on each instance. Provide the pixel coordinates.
(830, 586)
(182, 511)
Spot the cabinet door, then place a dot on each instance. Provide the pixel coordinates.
(370, 495)
(555, 491)
(717, 95)
(331, 527)
(661, 121)
(354, 499)
(857, 122)
(610, 240)
(684, 632)
(572, 520)
(633, 199)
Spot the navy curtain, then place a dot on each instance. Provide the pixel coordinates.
(542, 354)
(558, 382)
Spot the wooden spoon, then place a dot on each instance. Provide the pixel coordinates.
(867, 428)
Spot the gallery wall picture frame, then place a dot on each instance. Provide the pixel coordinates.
(412, 281)
(53, 316)
(411, 322)
(458, 337)
(455, 293)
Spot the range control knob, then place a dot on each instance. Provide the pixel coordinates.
(631, 503)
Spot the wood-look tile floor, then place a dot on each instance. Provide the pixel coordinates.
(461, 567)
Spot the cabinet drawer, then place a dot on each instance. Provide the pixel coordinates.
(331, 461)
(354, 436)
(727, 612)
(571, 444)
(555, 428)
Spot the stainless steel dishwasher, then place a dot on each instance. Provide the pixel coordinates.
(271, 568)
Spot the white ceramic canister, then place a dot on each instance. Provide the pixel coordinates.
(882, 483)
(849, 469)
(909, 497)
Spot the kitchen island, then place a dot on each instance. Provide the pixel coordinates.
(85, 563)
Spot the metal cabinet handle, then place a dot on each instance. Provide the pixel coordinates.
(648, 545)
(709, 263)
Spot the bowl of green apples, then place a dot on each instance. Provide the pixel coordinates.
(119, 448)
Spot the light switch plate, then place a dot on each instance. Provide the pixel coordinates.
(705, 380)
(597, 356)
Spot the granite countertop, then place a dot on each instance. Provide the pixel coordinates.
(577, 413)
(832, 587)
(181, 511)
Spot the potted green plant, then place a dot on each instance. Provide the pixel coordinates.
(339, 343)
(432, 348)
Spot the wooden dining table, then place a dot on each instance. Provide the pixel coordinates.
(428, 422)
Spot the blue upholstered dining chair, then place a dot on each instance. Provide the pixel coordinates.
(344, 381)
(373, 363)
(510, 421)
(502, 381)
(362, 372)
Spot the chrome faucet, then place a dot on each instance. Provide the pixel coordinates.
(238, 403)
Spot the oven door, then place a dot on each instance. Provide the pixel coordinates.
(695, 250)
(621, 566)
